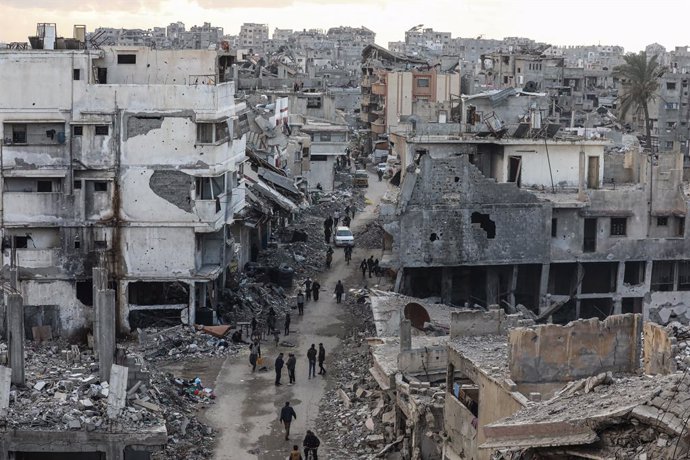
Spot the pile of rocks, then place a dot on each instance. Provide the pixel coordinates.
(357, 417)
(371, 236)
(158, 344)
(681, 333)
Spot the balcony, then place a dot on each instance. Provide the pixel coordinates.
(378, 89)
(378, 126)
(38, 208)
(46, 155)
(237, 203)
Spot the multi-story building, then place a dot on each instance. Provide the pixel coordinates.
(253, 35)
(553, 224)
(124, 156)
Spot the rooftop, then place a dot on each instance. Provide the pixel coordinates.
(488, 353)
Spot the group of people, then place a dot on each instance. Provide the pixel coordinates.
(330, 223)
(371, 265)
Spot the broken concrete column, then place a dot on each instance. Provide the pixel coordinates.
(492, 286)
(581, 177)
(105, 321)
(14, 278)
(405, 335)
(5, 385)
(117, 397)
(99, 283)
(15, 336)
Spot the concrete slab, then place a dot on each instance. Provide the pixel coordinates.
(117, 398)
(5, 385)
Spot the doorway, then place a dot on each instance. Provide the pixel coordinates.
(590, 236)
(515, 169)
(593, 172)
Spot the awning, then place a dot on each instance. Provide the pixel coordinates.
(280, 181)
(274, 196)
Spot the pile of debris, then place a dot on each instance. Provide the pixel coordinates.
(249, 298)
(681, 333)
(63, 392)
(371, 236)
(358, 418)
(182, 342)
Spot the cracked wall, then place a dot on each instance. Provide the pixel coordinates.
(553, 353)
(452, 215)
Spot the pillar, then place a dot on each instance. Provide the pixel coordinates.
(617, 299)
(99, 282)
(543, 286)
(581, 177)
(15, 336)
(192, 303)
(105, 314)
(513, 285)
(405, 335)
(492, 287)
(447, 285)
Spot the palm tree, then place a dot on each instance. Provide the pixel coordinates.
(639, 77)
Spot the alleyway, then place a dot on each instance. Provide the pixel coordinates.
(247, 408)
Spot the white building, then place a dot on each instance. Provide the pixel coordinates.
(127, 155)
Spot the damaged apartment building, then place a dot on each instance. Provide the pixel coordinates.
(124, 154)
(552, 223)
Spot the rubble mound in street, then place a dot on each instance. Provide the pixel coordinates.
(371, 236)
(178, 342)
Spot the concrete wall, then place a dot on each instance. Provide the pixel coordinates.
(423, 360)
(663, 307)
(659, 350)
(437, 227)
(159, 252)
(479, 322)
(462, 436)
(553, 353)
(322, 172)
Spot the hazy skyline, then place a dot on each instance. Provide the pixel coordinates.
(586, 22)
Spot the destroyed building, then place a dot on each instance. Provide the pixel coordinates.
(530, 221)
(103, 137)
(557, 391)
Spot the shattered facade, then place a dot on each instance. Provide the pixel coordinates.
(89, 152)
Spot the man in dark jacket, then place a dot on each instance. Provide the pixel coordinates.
(311, 444)
(307, 289)
(300, 303)
(311, 356)
(287, 413)
(339, 290)
(370, 264)
(254, 353)
(363, 267)
(322, 358)
(315, 286)
(279, 368)
(291, 363)
(287, 323)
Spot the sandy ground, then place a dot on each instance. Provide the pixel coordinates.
(248, 405)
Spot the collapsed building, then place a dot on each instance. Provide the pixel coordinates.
(530, 220)
(101, 138)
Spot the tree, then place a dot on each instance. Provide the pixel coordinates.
(639, 78)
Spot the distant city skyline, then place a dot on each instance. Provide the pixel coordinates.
(591, 22)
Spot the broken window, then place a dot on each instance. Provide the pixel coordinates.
(77, 130)
(76, 74)
(44, 186)
(634, 272)
(102, 130)
(325, 137)
(589, 243)
(100, 186)
(126, 58)
(599, 277)
(485, 223)
(84, 292)
(21, 242)
(314, 102)
(681, 226)
(618, 226)
(16, 134)
(662, 275)
(684, 275)
(670, 85)
(662, 221)
(77, 185)
(554, 227)
(102, 75)
(204, 133)
(632, 305)
(422, 83)
(222, 131)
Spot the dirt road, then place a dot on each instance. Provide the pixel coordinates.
(248, 404)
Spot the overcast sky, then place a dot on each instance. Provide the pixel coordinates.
(632, 24)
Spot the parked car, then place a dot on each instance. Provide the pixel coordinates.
(361, 178)
(343, 237)
(383, 167)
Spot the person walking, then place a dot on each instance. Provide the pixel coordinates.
(311, 444)
(254, 353)
(276, 337)
(322, 358)
(295, 454)
(339, 290)
(315, 290)
(287, 323)
(363, 267)
(279, 369)
(336, 218)
(327, 228)
(329, 257)
(348, 254)
(287, 413)
(377, 269)
(307, 288)
(300, 302)
(370, 264)
(291, 363)
(311, 356)
(353, 209)
(380, 174)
